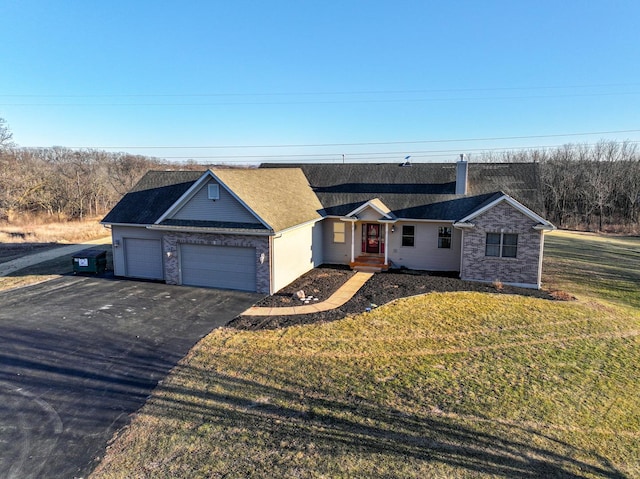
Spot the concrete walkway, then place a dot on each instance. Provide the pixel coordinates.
(35, 258)
(337, 299)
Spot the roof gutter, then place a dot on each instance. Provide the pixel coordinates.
(544, 227)
(133, 225)
(301, 225)
(463, 225)
(390, 221)
(196, 229)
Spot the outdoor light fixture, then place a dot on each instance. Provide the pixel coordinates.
(393, 229)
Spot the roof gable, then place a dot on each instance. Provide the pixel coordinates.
(277, 198)
(376, 205)
(280, 197)
(509, 200)
(228, 208)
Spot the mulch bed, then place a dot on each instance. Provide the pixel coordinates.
(382, 288)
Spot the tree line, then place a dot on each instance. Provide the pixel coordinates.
(592, 187)
(66, 184)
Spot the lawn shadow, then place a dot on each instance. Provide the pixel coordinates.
(354, 426)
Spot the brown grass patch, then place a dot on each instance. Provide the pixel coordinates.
(562, 296)
(53, 232)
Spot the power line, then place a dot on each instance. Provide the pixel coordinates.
(378, 143)
(376, 155)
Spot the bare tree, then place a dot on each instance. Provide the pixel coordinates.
(5, 135)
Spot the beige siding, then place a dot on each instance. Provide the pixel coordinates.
(425, 254)
(523, 270)
(294, 253)
(336, 253)
(227, 208)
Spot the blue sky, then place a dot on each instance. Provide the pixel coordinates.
(374, 80)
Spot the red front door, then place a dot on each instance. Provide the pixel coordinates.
(372, 238)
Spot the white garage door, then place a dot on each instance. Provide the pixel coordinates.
(143, 258)
(227, 267)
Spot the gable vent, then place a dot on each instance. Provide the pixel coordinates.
(214, 192)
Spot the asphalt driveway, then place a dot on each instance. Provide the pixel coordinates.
(78, 355)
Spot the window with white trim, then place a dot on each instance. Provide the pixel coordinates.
(338, 232)
(502, 245)
(444, 237)
(213, 191)
(408, 235)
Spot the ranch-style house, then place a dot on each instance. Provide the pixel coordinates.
(258, 229)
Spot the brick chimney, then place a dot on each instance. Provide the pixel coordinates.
(462, 175)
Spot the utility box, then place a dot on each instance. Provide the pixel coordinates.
(90, 261)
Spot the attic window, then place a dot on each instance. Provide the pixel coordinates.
(214, 192)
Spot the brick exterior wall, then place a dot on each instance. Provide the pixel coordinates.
(171, 241)
(502, 218)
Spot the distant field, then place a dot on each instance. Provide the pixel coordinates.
(445, 385)
(20, 240)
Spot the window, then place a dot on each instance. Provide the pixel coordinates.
(408, 235)
(509, 245)
(444, 237)
(338, 232)
(493, 244)
(214, 192)
(503, 245)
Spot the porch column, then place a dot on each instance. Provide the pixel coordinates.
(386, 244)
(353, 240)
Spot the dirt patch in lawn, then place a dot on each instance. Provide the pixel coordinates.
(382, 288)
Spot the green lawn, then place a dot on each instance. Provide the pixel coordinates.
(605, 267)
(444, 385)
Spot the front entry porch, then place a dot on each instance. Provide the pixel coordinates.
(370, 254)
(373, 264)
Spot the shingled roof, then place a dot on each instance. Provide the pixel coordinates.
(287, 195)
(280, 197)
(151, 197)
(422, 190)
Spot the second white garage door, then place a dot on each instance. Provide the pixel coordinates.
(226, 267)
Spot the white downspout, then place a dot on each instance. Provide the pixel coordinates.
(540, 254)
(353, 234)
(462, 254)
(386, 244)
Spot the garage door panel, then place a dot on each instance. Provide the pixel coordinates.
(227, 267)
(143, 258)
